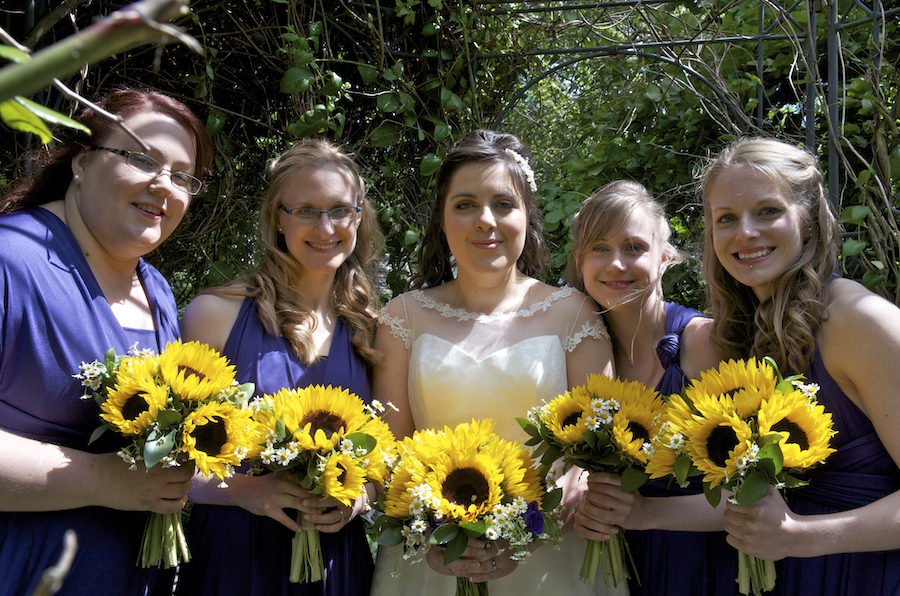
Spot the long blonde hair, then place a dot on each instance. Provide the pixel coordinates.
(272, 284)
(784, 325)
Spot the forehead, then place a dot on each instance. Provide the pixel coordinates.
(162, 133)
(482, 177)
(636, 224)
(320, 183)
(742, 186)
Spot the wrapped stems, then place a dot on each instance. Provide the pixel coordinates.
(466, 587)
(756, 575)
(610, 556)
(164, 543)
(306, 554)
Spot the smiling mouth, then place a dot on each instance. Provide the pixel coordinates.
(328, 246)
(753, 255)
(149, 208)
(617, 284)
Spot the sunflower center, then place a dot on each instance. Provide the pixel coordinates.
(211, 437)
(328, 422)
(191, 371)
(638, 431)
(794, 432)
(571, 419)
(722, 440)
(466, 486)
(731, 392)
(134, 407)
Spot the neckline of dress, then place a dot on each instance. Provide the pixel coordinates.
(460, 314)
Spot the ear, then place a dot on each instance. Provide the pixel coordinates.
(79, 162)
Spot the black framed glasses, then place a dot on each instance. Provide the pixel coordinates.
(143, 163)
(339, 215)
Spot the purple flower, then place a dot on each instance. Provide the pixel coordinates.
(534, 518)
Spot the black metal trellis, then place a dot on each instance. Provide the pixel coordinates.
(781, 17)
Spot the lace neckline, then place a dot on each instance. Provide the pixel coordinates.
(463, 315)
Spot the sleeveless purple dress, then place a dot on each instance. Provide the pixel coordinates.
(53, 317)
(236, 553)
(860, 472)
(679, 563)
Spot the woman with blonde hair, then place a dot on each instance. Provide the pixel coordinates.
(303, 317)
(770, 261)
(620, 253)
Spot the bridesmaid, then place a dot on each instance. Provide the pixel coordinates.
(620, 254)
(74, 285)
(303, 317)
(770, 258)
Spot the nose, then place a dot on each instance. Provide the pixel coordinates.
(324, 225)
(486, 219)
(615, 262)
(747, 229)
(162, 184)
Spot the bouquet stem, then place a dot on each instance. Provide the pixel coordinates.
(466, 587)
(755, 574)
(164, 543)
(610, 556)
(306, 554)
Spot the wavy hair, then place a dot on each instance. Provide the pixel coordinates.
(51, 172)
(604, 212)
(784, 325)
(272, 284)
(435, 263)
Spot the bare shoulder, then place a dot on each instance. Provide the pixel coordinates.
(854, 311)
(209, 319)
(698, 354)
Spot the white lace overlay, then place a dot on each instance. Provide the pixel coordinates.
(464, 315)
(597, 330)
(399, 328)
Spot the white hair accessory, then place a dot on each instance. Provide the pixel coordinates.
(529, 173)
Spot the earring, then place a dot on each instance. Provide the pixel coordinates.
(280, 231)
(76, 177)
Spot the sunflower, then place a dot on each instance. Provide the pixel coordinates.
(195, 371)
(716, 442)
(808, 428)
(132, 406)
(669, 441)
(215, 436)
(378, 429)
(638, 419)
(408, 474)
(467, 483)
(566, 416)
(343, 478)
(740, 386)
(318, 417)
(520, 477)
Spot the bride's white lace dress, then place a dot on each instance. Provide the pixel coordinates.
(497, 366)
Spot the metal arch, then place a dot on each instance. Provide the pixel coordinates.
(616, 51)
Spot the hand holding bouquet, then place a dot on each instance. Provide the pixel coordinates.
(182, 405)
(331, 444)
(604, 426)
(745, 427)
(448, 486)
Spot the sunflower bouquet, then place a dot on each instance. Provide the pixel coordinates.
(331, 443)
(606, 425)
(445, 487)
(744, 427)
(180, 406)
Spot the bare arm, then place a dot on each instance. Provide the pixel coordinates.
(390, 380)
(38, 476)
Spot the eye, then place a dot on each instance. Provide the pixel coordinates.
(306, 212)
(770, 211)
(599, 248)
(465, 204)
(341, 212)
(506, 205)
(636, 248)
(144, 162)
(725, 219)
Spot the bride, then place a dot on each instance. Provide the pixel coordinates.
(479, 337)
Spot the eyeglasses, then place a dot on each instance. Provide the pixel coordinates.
(338, 215)
(140, 162)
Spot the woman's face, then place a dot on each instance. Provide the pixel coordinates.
(484, 218)
(619, 267)
(120, 211)
(320, 246)
(758, 233)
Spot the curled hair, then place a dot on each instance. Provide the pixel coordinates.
(479, 146)
(51, 174)
(273, 284)
(604, 212)
(784, 325)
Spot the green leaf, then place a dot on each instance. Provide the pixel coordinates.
(753, 488)
(369, 75)
(772, 453)
(215, 122)
(410, 237)
(168, 418)
(682, 468)
(390, 536)
(430, 164)
(633, 479)
(474, 529)
(444, 534)
(13, 54)
(281, 432)
(51, 116)
(455, 548)
(713, 495)
(853, 247)
(388, 102)
(855, 214)
(98, 432)
(157, 447)
(551, 500)
(296, 80)
(441, 131)
(18, 117)
(386, 135)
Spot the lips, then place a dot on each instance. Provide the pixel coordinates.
(325, 246)
(486, 243)
(151, 209)
(617, 285)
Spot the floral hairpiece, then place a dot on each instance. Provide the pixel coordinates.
(529, 173)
